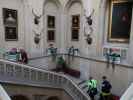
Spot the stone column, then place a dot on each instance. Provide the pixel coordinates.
(130, 51)
(86, 49)
(101, 25)
(2, 39)
(63, 31)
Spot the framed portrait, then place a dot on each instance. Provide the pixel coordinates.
(11, 34)
(50, 21)
(75, 20)
(51, 35)
(120, 21)
(10, 24)
(75, 34)
(10, 17)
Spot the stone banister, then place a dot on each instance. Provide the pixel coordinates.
(3, 94)
(15, 73)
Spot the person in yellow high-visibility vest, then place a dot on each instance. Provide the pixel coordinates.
(92, 87)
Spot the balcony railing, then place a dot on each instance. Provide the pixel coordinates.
(15, 73)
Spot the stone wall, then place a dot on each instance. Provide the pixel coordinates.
(34, 92)
(16, 5)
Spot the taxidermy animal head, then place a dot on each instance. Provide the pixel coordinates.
(36, 17)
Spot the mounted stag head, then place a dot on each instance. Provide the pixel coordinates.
(37, 38)
(89, 18)
(36, 17)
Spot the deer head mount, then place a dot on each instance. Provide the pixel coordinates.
(89, 18)
(89, 22)
(37, 38)
(36, 17)
(89, 39)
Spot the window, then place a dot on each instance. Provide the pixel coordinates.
(75, 27)
(51, 28)
(120, 21)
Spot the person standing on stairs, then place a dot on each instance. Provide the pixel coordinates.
(92, 88)
(105, 89)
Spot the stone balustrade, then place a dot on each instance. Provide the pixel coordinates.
(15, 73)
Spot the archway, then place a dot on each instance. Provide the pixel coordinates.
(52, 20)
(19, 97)
(74, 10)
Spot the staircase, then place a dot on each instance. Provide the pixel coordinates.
(83, 86)
(3, 94)
(15, 73)
(41, 63)
(128, 95)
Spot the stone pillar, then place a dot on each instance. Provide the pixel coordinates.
(130, 51)
(34, 50)
(101, 25)
(28, 29)
(86, 49)
(63, 31)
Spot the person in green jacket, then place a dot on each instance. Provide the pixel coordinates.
(61, 64)
(92, 87)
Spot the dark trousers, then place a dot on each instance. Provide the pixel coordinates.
(92, 93)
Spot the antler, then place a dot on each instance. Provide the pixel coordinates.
(37, 16)
(90, 14)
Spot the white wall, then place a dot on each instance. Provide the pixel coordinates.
(17, 5)
(63, 38)
(63, 31)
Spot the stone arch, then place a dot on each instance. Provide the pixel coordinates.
(56, 2)
(71, 2)
(52, 8)
(73, 8)
(19, 97)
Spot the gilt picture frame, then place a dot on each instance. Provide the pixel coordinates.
(120, 21)
(76, 21)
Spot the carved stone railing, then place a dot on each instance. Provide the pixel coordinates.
(15, 73)
(3, 94)
(128, 95)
